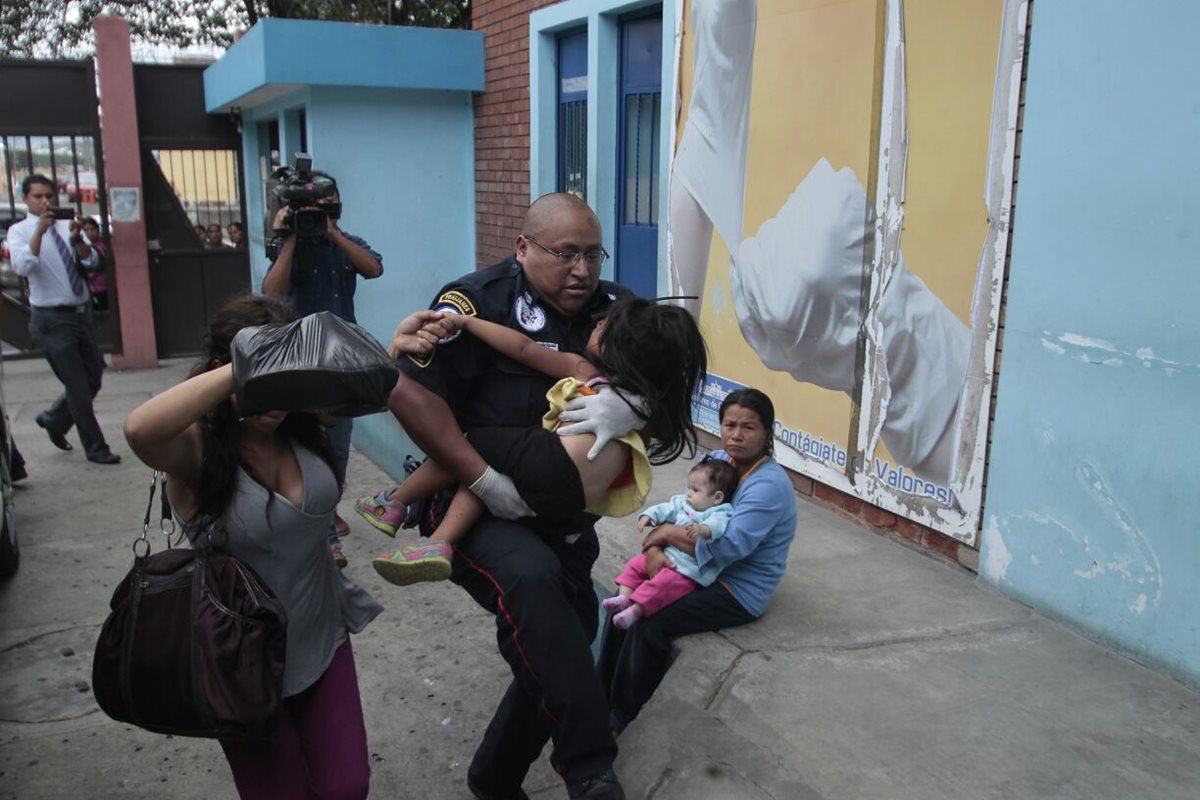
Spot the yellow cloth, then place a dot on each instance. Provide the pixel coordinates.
(616, 502)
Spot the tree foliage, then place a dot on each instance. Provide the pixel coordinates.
(63, 28)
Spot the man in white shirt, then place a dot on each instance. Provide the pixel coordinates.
(53, 254)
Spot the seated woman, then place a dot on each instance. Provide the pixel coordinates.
(751, 558)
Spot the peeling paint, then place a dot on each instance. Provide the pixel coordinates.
(996, 554)
(1084, 341)
(1126, 563)
(1141, 549)
(1101, 352)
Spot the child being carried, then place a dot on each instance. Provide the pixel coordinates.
(639, 347)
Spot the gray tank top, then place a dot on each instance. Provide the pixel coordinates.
(288, 547)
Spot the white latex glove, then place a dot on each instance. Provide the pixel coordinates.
(499, 494)
(609, 414)
(797, 292)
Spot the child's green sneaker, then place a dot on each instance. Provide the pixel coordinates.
(415, 563)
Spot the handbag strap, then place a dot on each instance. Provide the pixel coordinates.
(166, 523)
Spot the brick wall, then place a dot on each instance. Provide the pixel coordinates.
(502, 125)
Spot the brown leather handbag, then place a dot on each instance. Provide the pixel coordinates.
(195, 643)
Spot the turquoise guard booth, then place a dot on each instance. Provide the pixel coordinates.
(388, 112)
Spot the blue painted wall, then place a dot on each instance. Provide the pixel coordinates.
(1088, 514)
(403, 158)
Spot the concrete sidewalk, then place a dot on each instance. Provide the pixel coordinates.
(877, 673)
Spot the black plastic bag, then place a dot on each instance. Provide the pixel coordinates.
(319, 363)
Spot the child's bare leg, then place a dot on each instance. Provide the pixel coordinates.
(464, 510)
(428, 479)
(387, 513)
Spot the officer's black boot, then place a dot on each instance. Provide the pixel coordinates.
(598, 787)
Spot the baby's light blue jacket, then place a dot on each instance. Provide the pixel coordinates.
(677, 511)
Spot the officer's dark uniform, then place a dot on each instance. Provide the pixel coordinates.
(535, 577)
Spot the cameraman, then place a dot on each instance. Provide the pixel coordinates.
(316, 268)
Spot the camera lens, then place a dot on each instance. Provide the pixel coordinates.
(309, 223)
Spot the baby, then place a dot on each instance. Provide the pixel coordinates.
(703, 511)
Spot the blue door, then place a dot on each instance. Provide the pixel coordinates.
(571, 128)
(640, 107)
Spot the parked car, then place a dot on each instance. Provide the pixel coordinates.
(10, 554)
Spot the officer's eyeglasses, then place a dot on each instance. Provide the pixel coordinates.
(592, 257)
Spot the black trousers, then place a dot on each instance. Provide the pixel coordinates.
(539, 586)
(68, 340)
(634, 662)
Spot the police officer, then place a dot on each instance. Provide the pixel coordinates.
(535, 577)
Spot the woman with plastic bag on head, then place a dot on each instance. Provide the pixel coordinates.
(266, 479)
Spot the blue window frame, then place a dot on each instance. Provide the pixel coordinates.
(571, 128)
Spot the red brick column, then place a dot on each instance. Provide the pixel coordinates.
(123, 169)
(502, 125)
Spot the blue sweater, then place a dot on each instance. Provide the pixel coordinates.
(752, 555)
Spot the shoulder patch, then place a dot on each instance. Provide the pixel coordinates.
(451, 301)
(455, 302)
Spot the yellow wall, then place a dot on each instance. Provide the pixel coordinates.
(201, 176)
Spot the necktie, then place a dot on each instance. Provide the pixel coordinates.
(68, 257)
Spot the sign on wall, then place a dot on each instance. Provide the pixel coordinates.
(839, 205)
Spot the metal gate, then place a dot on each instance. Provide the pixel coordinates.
(191, 176)
(61, 140)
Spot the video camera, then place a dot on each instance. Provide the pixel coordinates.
(300, 189)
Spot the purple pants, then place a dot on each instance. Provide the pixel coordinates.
(319, 749)
(654, 594)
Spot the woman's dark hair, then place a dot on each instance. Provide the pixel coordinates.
(656, 351)
(757, 402)
(219, 427)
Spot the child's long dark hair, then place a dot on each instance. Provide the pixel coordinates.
(219, 427)
(657, 351)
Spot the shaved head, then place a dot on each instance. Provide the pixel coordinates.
(548, 211)
(558, 225)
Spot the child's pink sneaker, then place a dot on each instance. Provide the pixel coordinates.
(423, 561)
(379, 512)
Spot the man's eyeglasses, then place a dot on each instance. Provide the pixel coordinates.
(592, 257)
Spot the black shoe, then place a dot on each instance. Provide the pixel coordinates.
(483, 794)
(598, 787)
(105, 457)
(56, 439)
